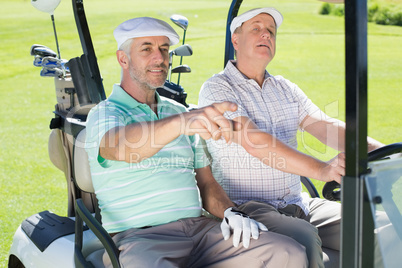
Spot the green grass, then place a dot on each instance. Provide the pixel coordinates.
(310, 52)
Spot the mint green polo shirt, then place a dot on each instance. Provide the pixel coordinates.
(155, 191)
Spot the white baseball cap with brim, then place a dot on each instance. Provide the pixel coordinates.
(142, 27)
(239, 20)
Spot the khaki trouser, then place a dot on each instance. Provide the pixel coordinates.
(198, 242)
(321, 228)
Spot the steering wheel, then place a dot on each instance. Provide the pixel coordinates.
(332, 191)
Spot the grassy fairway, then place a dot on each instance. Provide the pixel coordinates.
(310, 52)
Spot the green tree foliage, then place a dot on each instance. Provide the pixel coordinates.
(379, 13)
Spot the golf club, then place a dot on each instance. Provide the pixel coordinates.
(51, 62)
(181, 69)
(182, 22)
(48, 6)
(51, 72)
(183, 50)
(33, 47)
(44, 52)
(38, 61)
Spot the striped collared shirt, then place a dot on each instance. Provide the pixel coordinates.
(155, 191)
(277, 108)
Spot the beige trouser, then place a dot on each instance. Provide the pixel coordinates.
(320, 228)
(198, 242)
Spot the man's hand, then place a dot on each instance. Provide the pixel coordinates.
(209, 122)
(240, 223)
(334, 169)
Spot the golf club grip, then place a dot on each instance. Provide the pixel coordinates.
(77, 74)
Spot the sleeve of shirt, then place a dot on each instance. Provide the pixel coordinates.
(200, 158)
(217, 90)
(306, 106)
(100, 120)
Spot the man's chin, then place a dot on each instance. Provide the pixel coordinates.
(161, 84)
(154, 86)
(156, 82)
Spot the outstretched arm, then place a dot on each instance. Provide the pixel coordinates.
(145, 139)
(331, 131)
(278, 155)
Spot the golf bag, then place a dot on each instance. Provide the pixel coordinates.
(173, 91)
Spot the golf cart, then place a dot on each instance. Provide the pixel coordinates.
(46, 239)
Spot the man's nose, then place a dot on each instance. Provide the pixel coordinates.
(158, 56)
(266, 33)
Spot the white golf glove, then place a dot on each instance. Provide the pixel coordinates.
(240, 223)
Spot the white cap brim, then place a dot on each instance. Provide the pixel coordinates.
(142, 27)
(239, 20)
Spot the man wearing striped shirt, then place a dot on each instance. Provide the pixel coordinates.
(261, 170)
(151, 176)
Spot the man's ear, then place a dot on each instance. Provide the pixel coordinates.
(122, 59)
(235, 39)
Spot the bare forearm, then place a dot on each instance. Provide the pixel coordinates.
(335, 135)
(330, 132)
(138, 141)
(373, 144)
(276, 154)
(218, 203)
(214, 198)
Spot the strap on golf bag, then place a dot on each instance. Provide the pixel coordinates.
(173, 91)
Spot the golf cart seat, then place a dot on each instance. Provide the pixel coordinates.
(91, 253)
(82, 172)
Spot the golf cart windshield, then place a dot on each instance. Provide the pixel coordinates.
(384, 185)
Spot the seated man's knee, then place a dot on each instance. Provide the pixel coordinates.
(304, 231)
(292, 254)
(285, 252)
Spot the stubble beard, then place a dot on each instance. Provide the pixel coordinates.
(141, 78)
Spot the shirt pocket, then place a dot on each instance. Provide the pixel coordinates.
(286, 122)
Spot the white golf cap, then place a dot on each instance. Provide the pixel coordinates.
(144, 26)
(239, 20)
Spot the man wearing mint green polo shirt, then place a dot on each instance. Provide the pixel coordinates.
(151, 176)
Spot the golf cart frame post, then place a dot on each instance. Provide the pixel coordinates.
(357, 238)
(88, 59)
(357, 243)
